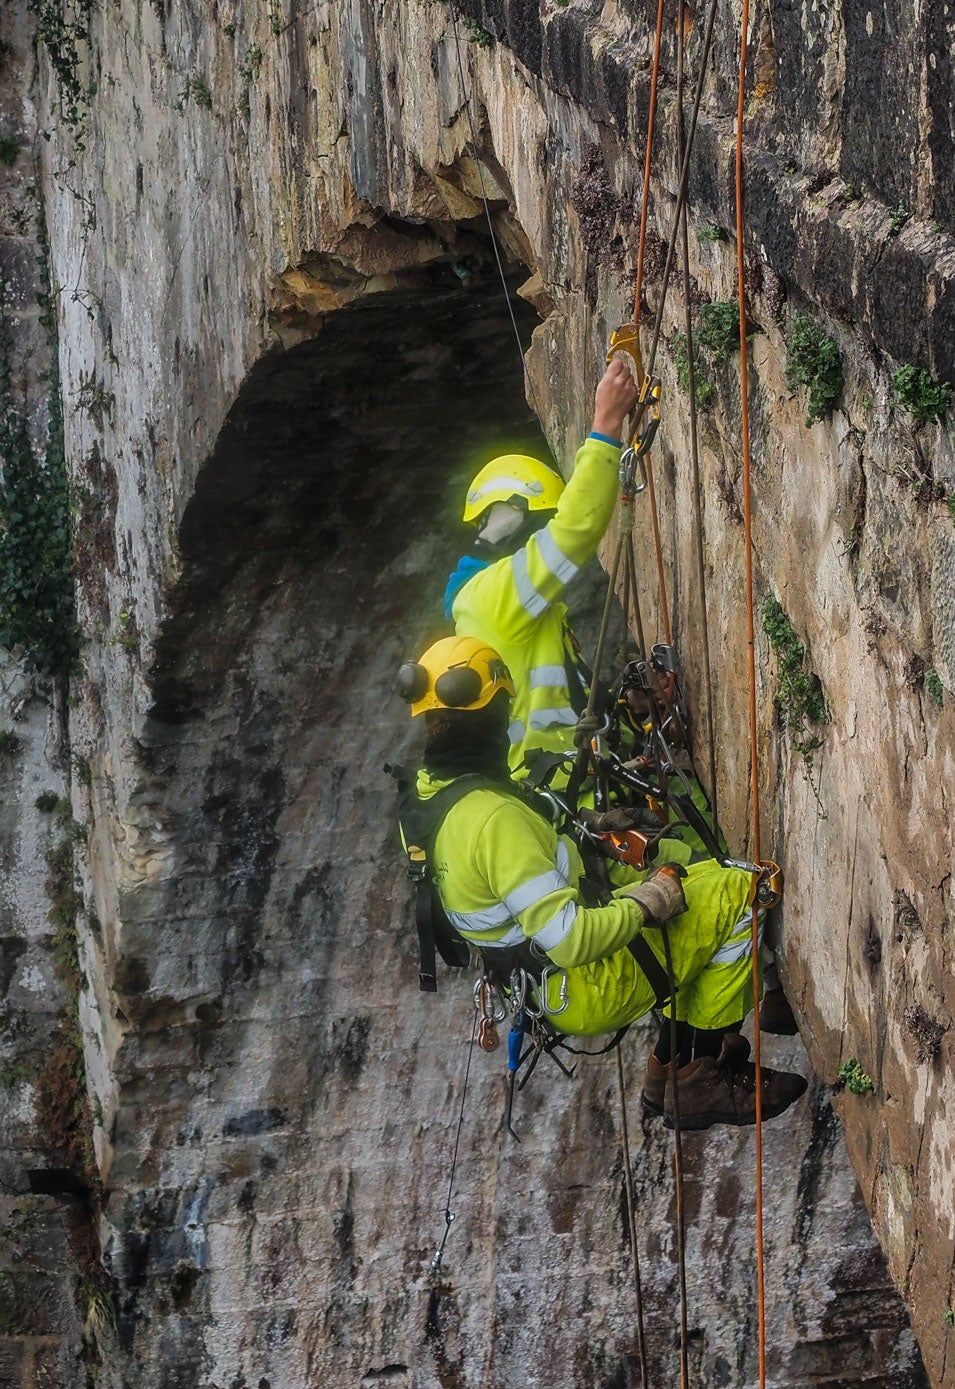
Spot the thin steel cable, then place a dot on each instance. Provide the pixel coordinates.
(449, 1216)
(632, 1221)
(751, 645)
(487, 211)
(697, 490)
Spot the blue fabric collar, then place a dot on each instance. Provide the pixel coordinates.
(468, 566)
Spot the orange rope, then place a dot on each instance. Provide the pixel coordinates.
(751, 643)
(638, 294)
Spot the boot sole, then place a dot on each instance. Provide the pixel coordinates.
(650, 1106)
(696, 1122)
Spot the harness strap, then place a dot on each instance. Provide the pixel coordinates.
(656, 975)
(427, 963)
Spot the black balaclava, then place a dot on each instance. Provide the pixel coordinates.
(459, 741)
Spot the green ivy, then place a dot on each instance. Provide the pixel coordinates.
(799, 698)
(814, 361)
(933, 686)
(61, 27)
(925, 400)
(37, 599)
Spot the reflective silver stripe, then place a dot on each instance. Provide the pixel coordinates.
(531, 601)
(737, 949)
(515, 732)
(558, 928)
(523, 896)
(533, 890)
(547, 675)
(502, 484)
(557, 562)
(546, 718)
(487, 919)
(513, 937)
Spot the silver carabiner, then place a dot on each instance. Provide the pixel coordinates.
(488, 1001)
(628, 472)
(538, 992)
(562, 993)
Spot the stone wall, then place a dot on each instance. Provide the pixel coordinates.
(47, 1241)
(283, 348)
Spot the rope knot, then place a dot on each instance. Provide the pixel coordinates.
(587, 726)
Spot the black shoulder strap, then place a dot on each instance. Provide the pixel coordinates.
(420, 821)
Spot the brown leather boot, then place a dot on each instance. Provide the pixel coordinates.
(654, 1086)
(724, 1091)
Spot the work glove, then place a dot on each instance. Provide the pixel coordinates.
(624, 817)
(661, 894)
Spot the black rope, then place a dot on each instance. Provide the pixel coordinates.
(448, 1212)
(694, 439)
(487, 210)
(632, 1221)
(677, 1163)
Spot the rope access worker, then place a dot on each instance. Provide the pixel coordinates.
(534, 534)
(509, 883)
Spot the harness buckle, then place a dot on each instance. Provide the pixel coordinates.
(417, 864)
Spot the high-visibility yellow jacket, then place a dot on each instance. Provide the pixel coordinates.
(513, 605)
(505, 876)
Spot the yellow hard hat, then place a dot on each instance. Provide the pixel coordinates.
(454, 673)
(514, 477)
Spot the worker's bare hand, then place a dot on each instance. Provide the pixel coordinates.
(616, 396)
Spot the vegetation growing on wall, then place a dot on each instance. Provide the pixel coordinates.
(925, 399)
(37, 601)
(814, 362)
(927, 1032)
(599, 209)
(62, 28)
(719, 328)
(854, 1078)
(36, 584)
(799, 698)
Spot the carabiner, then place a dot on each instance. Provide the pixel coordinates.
(550, 972)
(628, 472)
(488, 1001)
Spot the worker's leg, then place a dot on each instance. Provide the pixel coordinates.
(711, 949)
